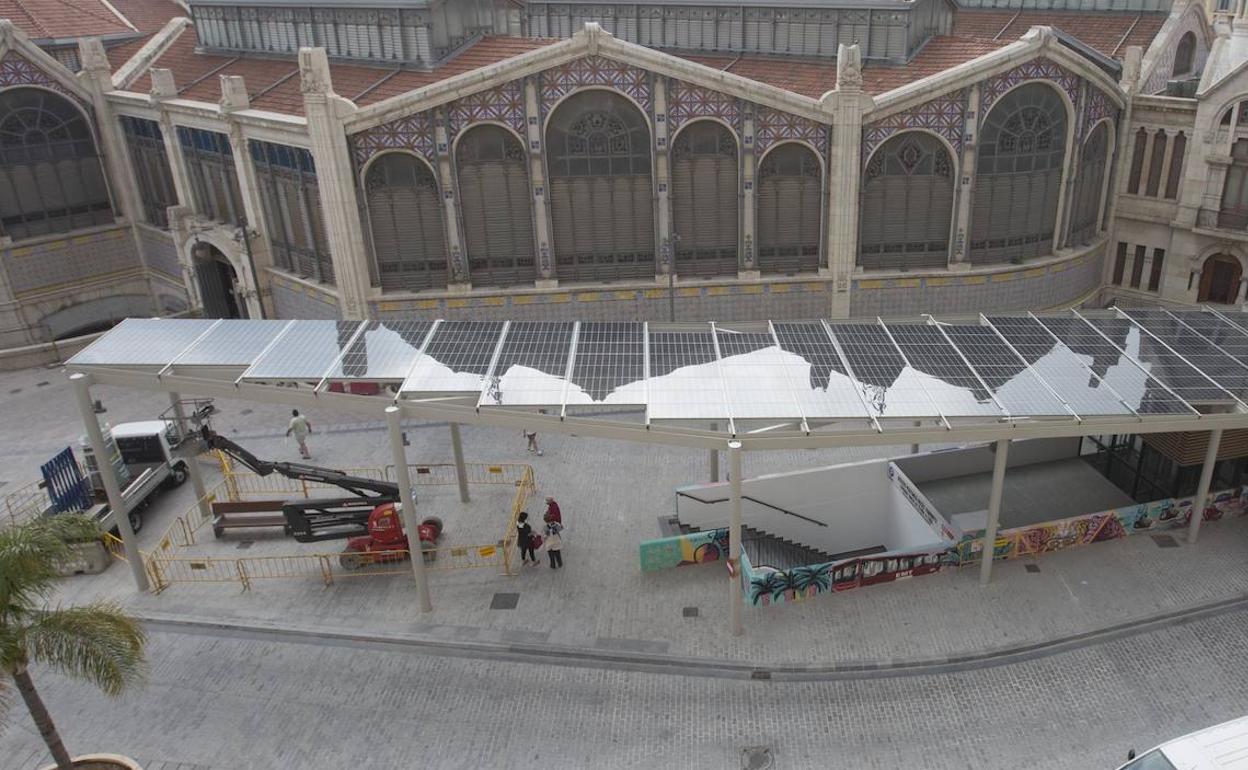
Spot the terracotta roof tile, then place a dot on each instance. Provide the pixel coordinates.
(1109, 33)
(62, 19)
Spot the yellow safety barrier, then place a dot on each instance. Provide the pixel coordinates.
(114, 546)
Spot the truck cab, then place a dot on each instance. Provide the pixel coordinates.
(1221, 747)
(149, 462)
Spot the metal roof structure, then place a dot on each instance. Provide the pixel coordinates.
(770, 383)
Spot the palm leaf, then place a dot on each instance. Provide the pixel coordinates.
(96, 642)
(30, 555)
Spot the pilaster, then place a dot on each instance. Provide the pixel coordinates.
(163, 88)
(841, 185)
(1074, 168)
(966, 182)
(537, 177)
(667, 239)
(458, 260)
(749, 181)
(254, 245)
(325, 111)
(1129, 83)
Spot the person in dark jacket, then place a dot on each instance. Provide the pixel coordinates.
(524, 536)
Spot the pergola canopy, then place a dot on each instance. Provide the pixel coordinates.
(777, 377)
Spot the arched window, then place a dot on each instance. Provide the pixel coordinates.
(52, 180)
(907, 204)
(1234, 211)
(405, 217)
(789, 205)
(601, 201)
(1184, 55)
(1086, 204)
(1022, 150)
(705, 199)
(496, 206)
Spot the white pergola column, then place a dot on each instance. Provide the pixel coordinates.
(117, 503)
(994, 509)
(461, 473)
(734, 538)
(714, 458)
(394, 421)
(1202, 489)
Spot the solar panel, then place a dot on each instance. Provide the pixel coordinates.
(232, 344)
(684, 380)
(455, 359)
(1195, 349)
(1018, 388)
(816, 373)
(948, 381)
(889, 387)
(1220, 332)
(610, 364)
(305, 351)
(752, 367)
(1187, 382)
(384, 350)
(1067, 372)
(1135, 384)
(143, 342)
(1237, 317)
(531, 367)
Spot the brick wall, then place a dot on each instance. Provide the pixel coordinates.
(71, 260)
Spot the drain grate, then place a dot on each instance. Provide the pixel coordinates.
(690, 612)
(42, 384)
(757, 758)
(243, 545)
(503, 601)
(1165, 541)
(1032, 567)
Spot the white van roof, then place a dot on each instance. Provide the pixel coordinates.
(141, 428)
(1221, 747)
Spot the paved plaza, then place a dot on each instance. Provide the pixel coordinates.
(600, 664)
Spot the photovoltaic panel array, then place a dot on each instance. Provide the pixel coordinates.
(384, 350)
(232, 344)
(1013, 383)
(1218, 331)
(684, 380)
(1188, 383)
(751, 365)
(304, 351)
(816, 372)
(1196, 350)
(951, 384)
(143, 342)
(1238, 318)
(531, 367)
(456, 358)
(889, 387)
(610, 364)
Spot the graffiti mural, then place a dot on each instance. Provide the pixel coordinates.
(765, 586)
(683, 550)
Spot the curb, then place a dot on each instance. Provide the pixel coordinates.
(581, 657)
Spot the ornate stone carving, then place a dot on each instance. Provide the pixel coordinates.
(686, 102)
(945, 116)
(772, 126)
(502, 104)
(413, 132)
(595, 71)
(849, 68)
(1036, 69)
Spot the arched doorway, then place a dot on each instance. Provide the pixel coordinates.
(219, 286)
(1219, 280)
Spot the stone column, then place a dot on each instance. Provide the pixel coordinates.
(1125, 148)
(253, 248)
(667, 239)
(960, 252)
(335, 175)
(458, 258)
(537, 176)
(182, 215)
(749, 182)
(1074, 167)
(1166, 159)
(1146, 167)
(845, 160)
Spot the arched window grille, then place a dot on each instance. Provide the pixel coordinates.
(51, 180)
(1086, 204)
(601, 200)
(790, 205)
(151, 168)
(907, 204)
(1184, 55)
(214, 180)
(705, 200)
(291, 199)
(406, 219)
(496, 206)
(1022, 150)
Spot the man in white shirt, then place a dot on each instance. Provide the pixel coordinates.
(300, 428)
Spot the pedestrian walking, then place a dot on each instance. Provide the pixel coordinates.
(554, 542)
(552, 511)
(300, 428)
(531, 437)
(524, 537)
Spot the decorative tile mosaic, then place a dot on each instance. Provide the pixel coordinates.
(687, 102)
(412, 132)
(1036, 69)
(595, 71)
(944, 116)
(502, 104)
(772, 126)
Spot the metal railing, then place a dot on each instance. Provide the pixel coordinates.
(26, 502)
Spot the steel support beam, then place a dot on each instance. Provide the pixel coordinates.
(461, 473)
(994, 510)
(1202, 489)
(734, 538)
(117, 503)
(403, 476)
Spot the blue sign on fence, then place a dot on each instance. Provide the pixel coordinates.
(67, 488)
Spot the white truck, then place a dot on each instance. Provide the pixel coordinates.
(149, 452)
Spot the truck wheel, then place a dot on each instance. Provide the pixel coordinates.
(136, 521)
(351, 560)
(179, 475)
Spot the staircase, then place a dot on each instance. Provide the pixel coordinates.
(767, 550)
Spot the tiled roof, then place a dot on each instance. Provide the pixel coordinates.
(146, 15)
(62, 19)
(1109, 33)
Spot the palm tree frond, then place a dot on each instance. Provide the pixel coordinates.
(96, 642)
